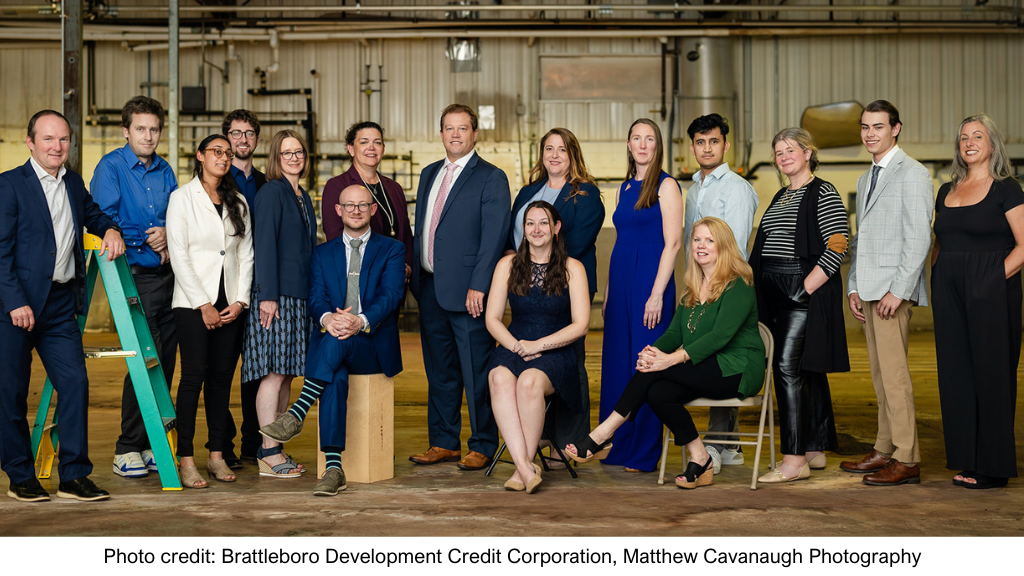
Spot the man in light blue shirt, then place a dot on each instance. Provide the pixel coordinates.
(132, 185)
(718, 191)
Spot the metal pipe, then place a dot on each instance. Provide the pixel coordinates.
(363, 9)
(172, 84)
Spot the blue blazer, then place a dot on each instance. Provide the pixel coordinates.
(470, 236)
(282, 241)
(28, 250)
(381, 285)
(582, 218)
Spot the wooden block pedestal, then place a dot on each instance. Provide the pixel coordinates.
(369, 454)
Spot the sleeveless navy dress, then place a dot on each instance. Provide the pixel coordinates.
(533, 317)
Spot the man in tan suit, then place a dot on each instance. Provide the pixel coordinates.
(894, 211)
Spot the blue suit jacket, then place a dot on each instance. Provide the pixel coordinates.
(28, 250)
(381, 285)
(582, 218)
(282, 242)
(471, 234)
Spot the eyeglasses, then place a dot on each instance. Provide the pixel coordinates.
(220, 152)
(236, 134)
(351, 207)
(300, 154)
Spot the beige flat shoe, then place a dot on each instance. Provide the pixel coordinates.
(818, 462)
(776, 477)
(534, 482)
(514, 485)
(190, 478)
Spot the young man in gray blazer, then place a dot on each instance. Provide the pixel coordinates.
(887, 278)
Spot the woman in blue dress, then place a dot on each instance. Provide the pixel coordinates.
(535, 357)
(641, 291)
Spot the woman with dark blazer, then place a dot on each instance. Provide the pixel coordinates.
(799, 247)
(561, 178)
(365, 143)
(278, 331)
(209, 238)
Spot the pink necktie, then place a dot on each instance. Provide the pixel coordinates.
(435, 218)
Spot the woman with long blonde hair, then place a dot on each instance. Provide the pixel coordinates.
(712, 349)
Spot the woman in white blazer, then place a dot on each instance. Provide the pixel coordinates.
(210, 242)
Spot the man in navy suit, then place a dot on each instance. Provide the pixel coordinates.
(43, 208)
(356, 282)
(463, 211)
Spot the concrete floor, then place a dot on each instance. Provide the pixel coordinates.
(605, 501)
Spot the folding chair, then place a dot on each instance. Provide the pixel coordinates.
(549, 432)
(764, 400)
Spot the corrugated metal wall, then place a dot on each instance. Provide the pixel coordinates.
(934, 80)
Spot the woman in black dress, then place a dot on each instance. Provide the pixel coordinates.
(535, 357)
(976, 295)
(797, 253)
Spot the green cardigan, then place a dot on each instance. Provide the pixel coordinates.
(727, 328)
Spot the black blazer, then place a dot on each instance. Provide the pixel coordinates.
(283, 242)
(28, 250)
(582, 218)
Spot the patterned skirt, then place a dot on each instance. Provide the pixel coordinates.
(282, 349)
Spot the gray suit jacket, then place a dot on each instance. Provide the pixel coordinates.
(894, 232)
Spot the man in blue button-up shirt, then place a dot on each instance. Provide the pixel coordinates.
(718, 191)
(132, 185)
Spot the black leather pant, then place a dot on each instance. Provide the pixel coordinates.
(805, 404)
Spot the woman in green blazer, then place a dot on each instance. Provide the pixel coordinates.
(712, 349)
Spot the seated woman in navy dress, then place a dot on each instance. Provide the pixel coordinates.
(711, 349)
(535, 358)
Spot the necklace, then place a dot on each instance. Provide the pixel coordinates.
(691, 324)
(382, 202)
(792, 193)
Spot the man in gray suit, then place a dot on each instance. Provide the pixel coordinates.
(894, 212)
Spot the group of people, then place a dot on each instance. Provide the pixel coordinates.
(792, 285)
(228, 266)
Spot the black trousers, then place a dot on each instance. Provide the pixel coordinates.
(155, 287)
(805, 403)
(667, 392)
(207, 357)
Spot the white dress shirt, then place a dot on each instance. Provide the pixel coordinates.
(885, 159)
(63, 224)
(428, 214)
(346, 239)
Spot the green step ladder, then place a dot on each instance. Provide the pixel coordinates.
(139, 353)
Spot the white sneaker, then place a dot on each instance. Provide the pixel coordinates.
(130, 465)
(149, 460)
(716, 459)
(732, 457)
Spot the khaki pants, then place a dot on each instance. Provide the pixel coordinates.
(890, 374)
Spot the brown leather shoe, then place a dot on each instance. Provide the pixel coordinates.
(894, 473)
(474, 461)
(436, 455)
(871, 463)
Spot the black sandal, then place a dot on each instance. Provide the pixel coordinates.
(587, 444)
(964, 475)
(984, 482)
(696, 475)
